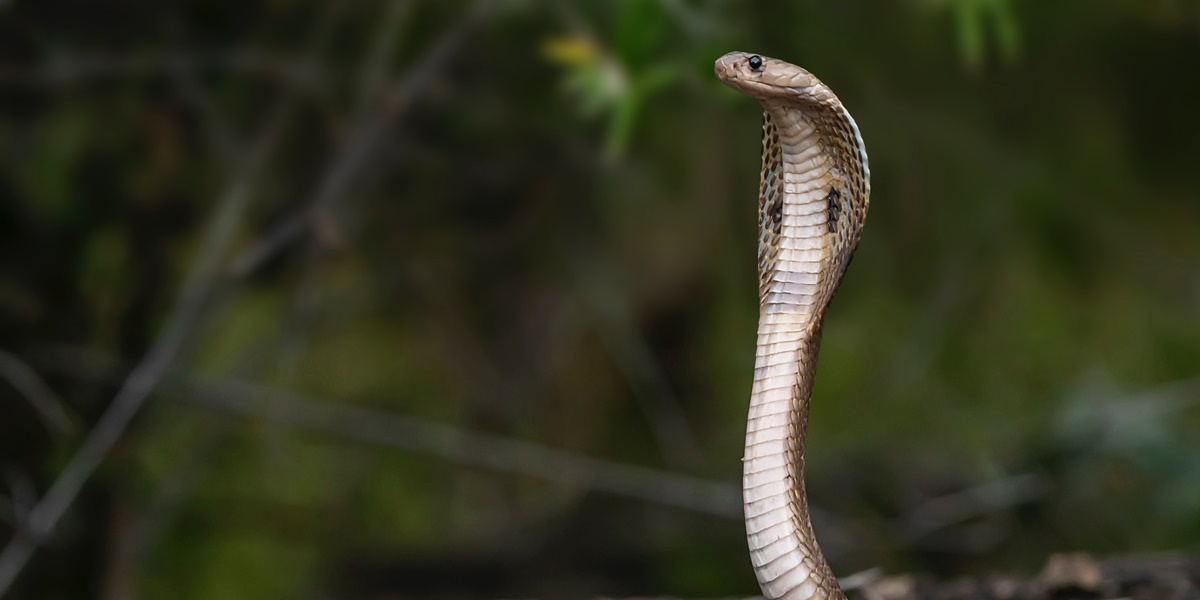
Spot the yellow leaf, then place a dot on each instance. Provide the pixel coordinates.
(571, 51)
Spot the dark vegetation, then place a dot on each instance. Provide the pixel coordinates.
(400, 299)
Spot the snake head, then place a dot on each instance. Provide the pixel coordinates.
(764, 78)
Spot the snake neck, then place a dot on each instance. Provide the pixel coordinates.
(806, 236)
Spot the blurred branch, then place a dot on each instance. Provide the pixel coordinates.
(200, 286)
(187, 314)
(475, 449)
(370, 131)
(1100, 417)
(675, 437)
(861, 579)
(493, 380)
(203, 282)
(978, 501)
(222, 138)
(66, 70)
(376, 67)
(22, 495)
(693, 20)
(171, 493)
(219, 133)
(40, 397)
(453, 444)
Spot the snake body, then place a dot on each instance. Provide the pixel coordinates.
(813, 197)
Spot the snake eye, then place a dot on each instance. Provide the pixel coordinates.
(755, 62)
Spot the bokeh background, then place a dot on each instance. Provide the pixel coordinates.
(416, 299)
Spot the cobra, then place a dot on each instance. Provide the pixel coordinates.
(813, 196)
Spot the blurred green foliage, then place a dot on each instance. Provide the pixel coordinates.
(535, 220)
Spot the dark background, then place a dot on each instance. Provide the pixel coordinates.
(415, 299)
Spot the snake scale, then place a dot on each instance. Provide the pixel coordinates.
(812, 202)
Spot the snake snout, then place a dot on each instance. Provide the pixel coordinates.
(726, 67)
(724, 70)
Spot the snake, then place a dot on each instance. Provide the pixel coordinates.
(813, 194)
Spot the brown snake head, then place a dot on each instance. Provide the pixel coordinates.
(813, 196)
(762, 77)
